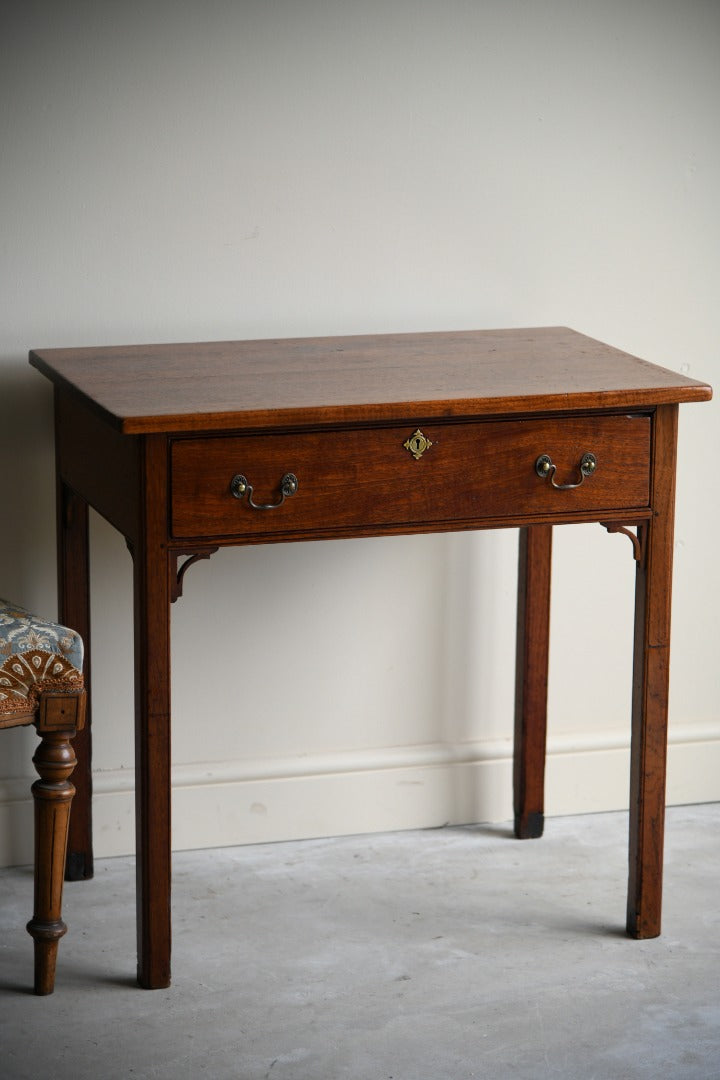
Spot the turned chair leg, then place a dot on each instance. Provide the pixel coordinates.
(54, 761)
(60, 718)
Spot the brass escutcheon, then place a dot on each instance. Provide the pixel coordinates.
(417, 444)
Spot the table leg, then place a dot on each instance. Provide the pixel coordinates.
(650, 688)
(152, 726)
(531, 679)
(74, 611)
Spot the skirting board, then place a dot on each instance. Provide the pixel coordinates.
(217, 805)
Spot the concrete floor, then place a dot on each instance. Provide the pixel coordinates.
(436, 955)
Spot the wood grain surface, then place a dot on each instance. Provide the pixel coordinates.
(363, 379)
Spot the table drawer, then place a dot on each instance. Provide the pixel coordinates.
(403, 476)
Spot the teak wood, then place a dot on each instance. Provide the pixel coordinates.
(185, 448)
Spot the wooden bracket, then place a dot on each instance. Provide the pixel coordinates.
(177, 572)
(636, 538)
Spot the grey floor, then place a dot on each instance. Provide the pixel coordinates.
(434, 955)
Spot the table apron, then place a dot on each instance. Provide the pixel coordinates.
(406, 478)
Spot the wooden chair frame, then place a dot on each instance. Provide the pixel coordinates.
(57, 717)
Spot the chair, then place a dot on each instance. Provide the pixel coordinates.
(41, 683)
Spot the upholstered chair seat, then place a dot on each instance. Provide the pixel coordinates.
(41, 683)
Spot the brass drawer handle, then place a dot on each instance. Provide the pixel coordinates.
(240, 487)
(545, 468)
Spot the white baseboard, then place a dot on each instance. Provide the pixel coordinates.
(246, 802)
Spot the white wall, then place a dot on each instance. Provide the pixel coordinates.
(211, 169)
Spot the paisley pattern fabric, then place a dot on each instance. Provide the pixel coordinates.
(35, 655)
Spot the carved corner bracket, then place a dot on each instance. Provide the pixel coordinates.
(177, 572)
(636, 538)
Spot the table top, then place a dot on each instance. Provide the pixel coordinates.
(272, 384)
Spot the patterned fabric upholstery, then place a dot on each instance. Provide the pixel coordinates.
(35, 655)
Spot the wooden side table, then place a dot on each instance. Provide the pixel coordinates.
(187, 448)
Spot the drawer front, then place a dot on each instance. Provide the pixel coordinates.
(386, 477)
